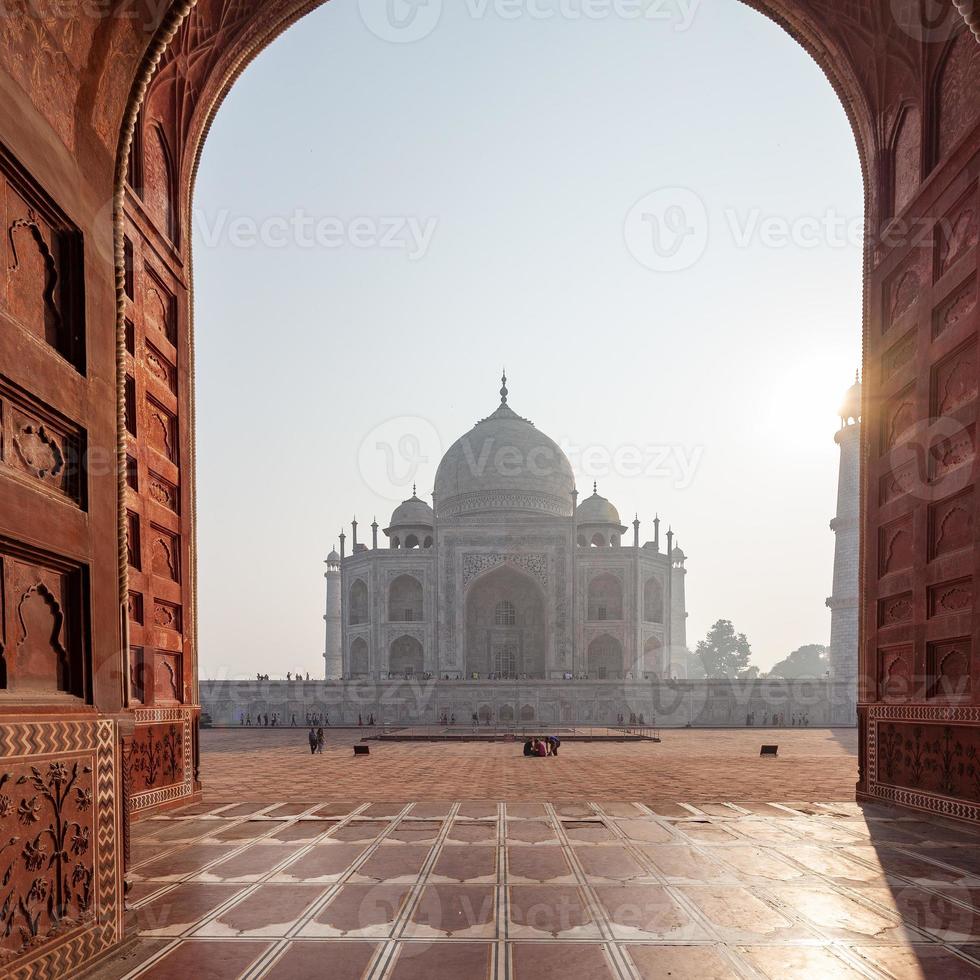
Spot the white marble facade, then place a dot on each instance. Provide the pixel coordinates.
(509, 576)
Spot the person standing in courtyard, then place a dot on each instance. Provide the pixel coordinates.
(312, 738)
(319, 741)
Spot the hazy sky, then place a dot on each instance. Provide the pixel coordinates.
(650, 222)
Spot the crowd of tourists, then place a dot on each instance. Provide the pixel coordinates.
(778, 720)
(541, 745)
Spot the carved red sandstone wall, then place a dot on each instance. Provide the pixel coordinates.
(108, 626)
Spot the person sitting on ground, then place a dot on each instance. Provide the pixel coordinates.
(540, 748)
(528, 747)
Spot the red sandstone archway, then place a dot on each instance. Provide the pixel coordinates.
(118, 334)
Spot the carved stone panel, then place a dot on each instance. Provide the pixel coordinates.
(955, 309)
(58, 847)
(40, 279)
(161, 429)
(895, 610)
(164, 554)
(950, 598)
(895, 546)
(951, 525)
(159, 309)
(164, 492)
(956, 234)
(948, 665)
(39, 445)
(954, 379)
(41, 641)
(958, 87)
(895, 673)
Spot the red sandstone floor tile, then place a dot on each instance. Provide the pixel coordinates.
(247, 830)
(756, 864)
(359, 911)
(663, 808)
(206, 961)
(933, 914)
(288, 809)
(703, 832)
(462, 911)
(249, 865)
(838, 916)
(443, 961)
(647, 831)
(779, 962)
(393, 863)
(526, 811)
(458, 863)
(322, 864)
(531, 832)
(647, 912)
(683, 863)
(473, 832)
(574, 811)
(175, 831)
(737, 915)
(335, 960)
(240, 810)
(173, 865)
(360, 830)
(176, 910)
(335, 809)
(587, 832)
(610, 863)
(680, 963)
(303, 830)
(612, 808)
(569, 961)
(916, 962)
(416, 831)
(384, 809)
(270, 910)
(130, 959)
(528, 864)
(427, 811)
(477, 811)
(549, 911)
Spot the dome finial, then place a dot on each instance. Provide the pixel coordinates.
(414, 494)
(595, 486)
(503, 387)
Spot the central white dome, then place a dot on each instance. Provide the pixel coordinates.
(504, 464)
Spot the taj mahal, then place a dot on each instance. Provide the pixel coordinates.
(506, 576)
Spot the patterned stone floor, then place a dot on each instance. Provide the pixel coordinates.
(532, 891)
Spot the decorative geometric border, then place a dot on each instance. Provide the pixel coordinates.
(67, 955)
(166, 794)
(947, 806)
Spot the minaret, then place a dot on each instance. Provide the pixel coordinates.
(333, 660)
(846, 526)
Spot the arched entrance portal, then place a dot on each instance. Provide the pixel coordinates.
(605, 659)
(405, 658)
(505, 625)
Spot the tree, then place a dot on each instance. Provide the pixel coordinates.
(725, 653)
(811, 660)
(686, 665)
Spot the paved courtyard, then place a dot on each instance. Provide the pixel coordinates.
(532, 891)
(689, 765)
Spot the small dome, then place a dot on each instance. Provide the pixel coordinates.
(596, 510)
(677, 555)
(333, 556)
(412, 513)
